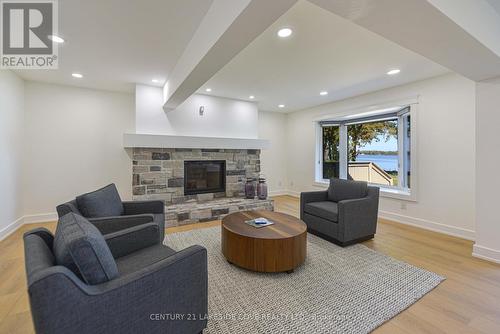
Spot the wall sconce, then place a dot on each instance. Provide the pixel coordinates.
(202, 110)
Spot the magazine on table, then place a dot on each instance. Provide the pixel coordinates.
(259, 222)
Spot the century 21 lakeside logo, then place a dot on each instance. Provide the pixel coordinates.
(26, 27)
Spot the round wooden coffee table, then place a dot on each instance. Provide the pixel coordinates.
(275, 248)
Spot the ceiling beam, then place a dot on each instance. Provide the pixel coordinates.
(478, 17)
(228, 27)
(444, 31)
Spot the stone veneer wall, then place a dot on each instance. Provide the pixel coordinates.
(159, 173)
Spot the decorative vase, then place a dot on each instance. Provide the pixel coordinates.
(250, 188)
(262, 188)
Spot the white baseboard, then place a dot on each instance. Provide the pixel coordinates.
(284, 193)
(486, 253)
(27, 219)
(429, 225)
(293, 193)
(277, 193)
(407, 220)
(11, 228)
(40, 218)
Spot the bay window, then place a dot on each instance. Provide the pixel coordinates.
(375, 148)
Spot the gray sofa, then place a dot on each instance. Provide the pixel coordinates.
(109, 214)
(345, 214)
(124, 282)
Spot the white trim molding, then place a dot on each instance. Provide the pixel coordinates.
(416, 222)
(274, 193)
(428, 225)
(11, 228)
(293, 193)
(372, 107)
(486, 253)
(40, 218)
(164, 141)
(27, 219)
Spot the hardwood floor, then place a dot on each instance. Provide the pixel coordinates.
(467, 302)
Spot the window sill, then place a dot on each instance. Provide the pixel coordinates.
(384, 191)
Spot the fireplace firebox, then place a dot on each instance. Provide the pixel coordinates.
(204, 176)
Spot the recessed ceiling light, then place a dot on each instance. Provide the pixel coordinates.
(56, 39)
(394, 71)
(208, 89)
(284, 32)
(251, 97)
(281, 106)
(77, 75)
(155, 81)
(323, 93)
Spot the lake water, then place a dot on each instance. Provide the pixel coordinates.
(386, 162)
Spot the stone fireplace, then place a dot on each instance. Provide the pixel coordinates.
(158, 173)
(210, 187)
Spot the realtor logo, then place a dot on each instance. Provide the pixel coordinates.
(26, 27)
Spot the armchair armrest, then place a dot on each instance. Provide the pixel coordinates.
(139, 207)
(108, 225)
(132, 239)
(43, 233)
(314, 196)
(311, 196)
(358, 217)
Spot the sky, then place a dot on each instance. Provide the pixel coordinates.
(382, 145)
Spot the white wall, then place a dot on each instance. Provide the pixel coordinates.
(149, 115)
(11, 150)
(487, 166)
(222, 118)
(446, 168)
(272, 126)
(74, 144)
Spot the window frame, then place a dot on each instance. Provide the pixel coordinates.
(402, 111)
(341, 149)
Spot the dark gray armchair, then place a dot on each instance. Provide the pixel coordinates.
(345, 214)
(109, 214)
(153, 284)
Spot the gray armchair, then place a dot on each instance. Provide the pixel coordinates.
(345, 214)
(153, 284)
(109, 214)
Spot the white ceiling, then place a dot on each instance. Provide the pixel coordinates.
(116, 43)
(495, 4)
(325, 52)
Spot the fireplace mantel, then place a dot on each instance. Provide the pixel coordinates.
(131, 140)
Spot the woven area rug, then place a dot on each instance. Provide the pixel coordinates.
(336, 290)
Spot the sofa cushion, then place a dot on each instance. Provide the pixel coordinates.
(340, 190)
(104, 202)
(327, 210)
(79, 246)
(143, 258)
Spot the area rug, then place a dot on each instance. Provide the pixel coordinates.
(336, 290)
